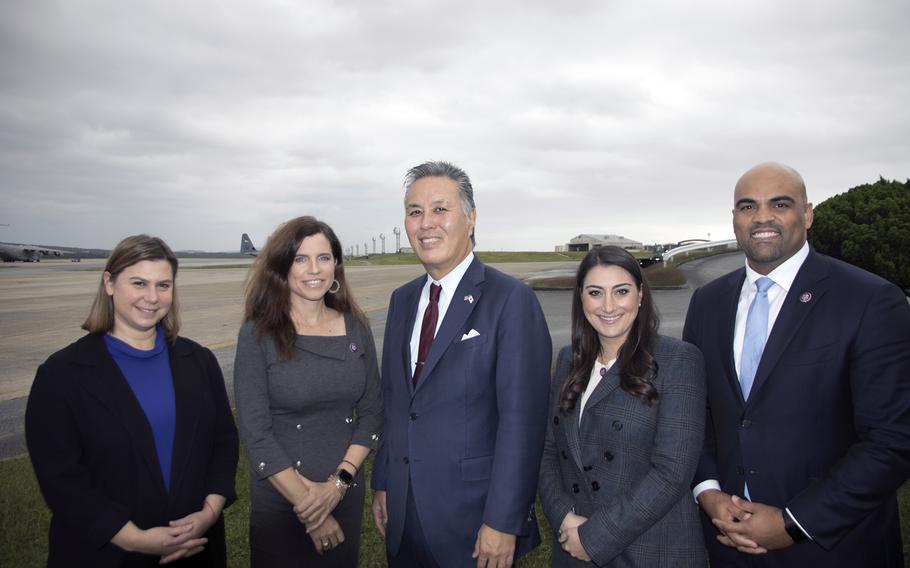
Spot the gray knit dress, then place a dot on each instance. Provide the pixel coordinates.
(304, 413)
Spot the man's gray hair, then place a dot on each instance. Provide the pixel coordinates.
(447, 170)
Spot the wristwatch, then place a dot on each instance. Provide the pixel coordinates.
(345, 476)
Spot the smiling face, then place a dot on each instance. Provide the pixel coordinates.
(436, 224)
(313, 269)
(142, 295)
(610, 300)
(770, 215)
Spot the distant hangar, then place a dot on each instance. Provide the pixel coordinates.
(586, 242)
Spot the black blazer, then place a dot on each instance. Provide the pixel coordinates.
(826, 429)
(94, 454)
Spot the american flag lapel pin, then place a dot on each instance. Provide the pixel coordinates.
(469, 299)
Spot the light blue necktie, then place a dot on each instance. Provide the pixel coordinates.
(756, 335)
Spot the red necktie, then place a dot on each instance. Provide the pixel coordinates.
(427, 329)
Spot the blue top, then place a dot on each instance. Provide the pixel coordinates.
(149, 375)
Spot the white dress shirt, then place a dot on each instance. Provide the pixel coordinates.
(449, 284)
(783, 277)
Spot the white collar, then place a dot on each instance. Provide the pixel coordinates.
(785, 274)
(450, 281)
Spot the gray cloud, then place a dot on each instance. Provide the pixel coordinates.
(199, 121)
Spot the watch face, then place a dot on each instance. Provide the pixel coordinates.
(345, 476)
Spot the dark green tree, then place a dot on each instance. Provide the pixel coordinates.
(868, 226)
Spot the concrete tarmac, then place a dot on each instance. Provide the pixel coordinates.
(42, 306)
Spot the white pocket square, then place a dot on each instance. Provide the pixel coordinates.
(470, 334)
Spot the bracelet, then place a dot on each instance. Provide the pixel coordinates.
(356, 469)
(339, 483)
(792, 528)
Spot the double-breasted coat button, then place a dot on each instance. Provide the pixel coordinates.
(413, 416)
(298, 463)
(374, 437)
(617, 425)
(565, 456)
(300, 426)
(595, 486)
(261, 466)
(348, 420)
(575, 488)
(608, 456)
(588, 467)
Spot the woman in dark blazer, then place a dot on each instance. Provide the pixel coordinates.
(129, 428)
(625, 430)
(309, 401)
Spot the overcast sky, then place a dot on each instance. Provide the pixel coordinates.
(197, 121)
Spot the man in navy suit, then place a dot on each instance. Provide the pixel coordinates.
(808, 365)
(465, 375)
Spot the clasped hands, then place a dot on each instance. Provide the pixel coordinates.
(180, 539)
(749, 527)
(314, 511)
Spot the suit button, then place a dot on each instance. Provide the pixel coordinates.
(413, 416)
(300, 426)
(556, 420)
(588, 467)
(348, 420)
(608, 456)
(575, 488)
(595, 486)
(298, 464)
(745, 423)
(405, 460)
(261, 466)
(565, 456)
(617, 425)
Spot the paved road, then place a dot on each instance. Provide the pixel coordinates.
(672, 305)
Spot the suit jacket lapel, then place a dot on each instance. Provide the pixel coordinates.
(727, 330)
(456, 315)
(810, 279)
(410, 299)
(188, 379)
(572, 430)
(110, 388)
(608, 384)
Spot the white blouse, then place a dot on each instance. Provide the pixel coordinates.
(593, 381)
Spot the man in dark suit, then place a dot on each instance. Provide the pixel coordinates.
(465, 375)
(808, 365)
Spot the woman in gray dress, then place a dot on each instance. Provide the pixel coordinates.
(308, 398)
(625, 429)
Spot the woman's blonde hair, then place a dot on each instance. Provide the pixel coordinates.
(128, 252)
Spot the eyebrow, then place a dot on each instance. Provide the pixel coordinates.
(775, 199)
(141, 279)
(441, 201)
(599, 287)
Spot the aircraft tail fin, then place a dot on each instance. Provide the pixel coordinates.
(246, 245)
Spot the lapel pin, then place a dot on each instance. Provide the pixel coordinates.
(805, 297)
(353, 347)
(469, 299)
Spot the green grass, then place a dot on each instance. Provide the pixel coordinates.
(24, 520)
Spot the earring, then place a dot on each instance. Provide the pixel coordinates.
(336, 285)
